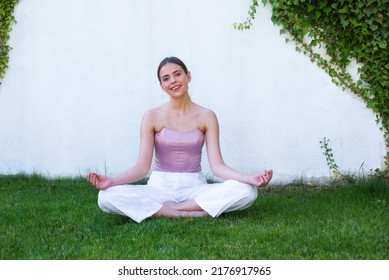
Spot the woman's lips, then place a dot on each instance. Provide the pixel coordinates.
(175, 88)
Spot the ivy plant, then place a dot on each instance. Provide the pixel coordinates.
(347, 30)
(6, 21)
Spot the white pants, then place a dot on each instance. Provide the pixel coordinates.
(142, 201)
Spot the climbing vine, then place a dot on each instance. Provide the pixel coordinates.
(346, 30)
(6, 21)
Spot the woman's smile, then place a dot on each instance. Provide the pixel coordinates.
(175, 88)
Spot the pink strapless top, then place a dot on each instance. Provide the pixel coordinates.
(178, 151)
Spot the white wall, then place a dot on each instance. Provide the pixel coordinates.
(82, 72)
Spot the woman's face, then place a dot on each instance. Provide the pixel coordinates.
(174, 80)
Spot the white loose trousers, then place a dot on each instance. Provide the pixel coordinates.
(142, 201)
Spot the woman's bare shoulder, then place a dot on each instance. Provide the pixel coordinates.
(154, 113)
(206, 112)
(208, 118)
(154, 117)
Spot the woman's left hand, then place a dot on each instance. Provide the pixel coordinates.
(261, 180)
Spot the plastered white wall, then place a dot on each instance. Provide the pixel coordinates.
(82, 72)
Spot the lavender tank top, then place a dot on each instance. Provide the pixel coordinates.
(178, 151)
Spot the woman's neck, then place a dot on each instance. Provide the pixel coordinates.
(180, 105)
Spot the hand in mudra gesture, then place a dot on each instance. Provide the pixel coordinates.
(261, 180)
(100, 182)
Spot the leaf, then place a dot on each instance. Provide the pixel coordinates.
(344, 10)
(383, 45)
(374, 27)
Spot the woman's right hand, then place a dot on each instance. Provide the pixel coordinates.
(100, 182)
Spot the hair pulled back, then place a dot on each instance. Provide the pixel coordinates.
(174, 60)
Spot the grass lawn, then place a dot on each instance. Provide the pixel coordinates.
(59, 219)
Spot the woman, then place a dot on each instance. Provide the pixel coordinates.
(177, 131)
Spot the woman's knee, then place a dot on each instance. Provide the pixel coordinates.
(251, 192)
(103, 201)
(247, 192)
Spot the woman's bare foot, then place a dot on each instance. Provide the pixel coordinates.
(171, 209)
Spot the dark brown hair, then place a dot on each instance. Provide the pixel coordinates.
(171, 59)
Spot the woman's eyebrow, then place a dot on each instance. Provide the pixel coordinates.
(167, 75)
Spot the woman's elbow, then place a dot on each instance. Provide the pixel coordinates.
(217, 170)
(145, 171)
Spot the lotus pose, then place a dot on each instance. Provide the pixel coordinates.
(176, 131)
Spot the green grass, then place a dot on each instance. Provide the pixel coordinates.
(59, 219)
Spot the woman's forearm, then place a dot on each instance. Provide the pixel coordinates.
(132, 175)
(227, 173)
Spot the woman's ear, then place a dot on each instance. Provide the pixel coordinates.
(189, 76)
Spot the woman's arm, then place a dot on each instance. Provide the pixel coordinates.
(216, 162)
(140, 169)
